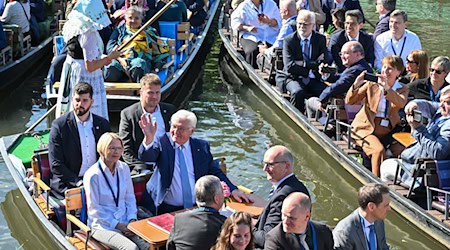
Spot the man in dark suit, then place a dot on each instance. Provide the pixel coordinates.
(364, 228)
(150, 105)
(198, 229)
(297, 230)
(278, 164)
(329, 5)
(352, 54)
(73, 140)
(351, 32)
(181, 160)
(302, 52)
(384, 8)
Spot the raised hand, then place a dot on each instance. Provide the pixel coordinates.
(359, 80)
(148, 127)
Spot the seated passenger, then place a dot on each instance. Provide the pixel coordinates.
(352, 54)
(384, 8)
(181, 160)
(302, 53)
(379, 115)
(199, 228)
(432, 140)
(330, 5)
(288, 13)
(352, 32)
(176, 12)
(258, 22)
(119, 15)
(430, 88)
(338, 18)
(71, 146)
(138, 58)
(236, 233)
(198, 13)
(417, 67)
(110, 199)
(17, 12)
(314, 6)
(149, 105)
(397, 41)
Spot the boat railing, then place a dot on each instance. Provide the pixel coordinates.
(42, 118)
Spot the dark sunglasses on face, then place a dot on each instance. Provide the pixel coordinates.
(408, 61)
(436, 71)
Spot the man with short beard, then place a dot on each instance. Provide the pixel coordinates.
(73, 140)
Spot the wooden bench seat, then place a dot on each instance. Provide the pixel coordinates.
(117, 88)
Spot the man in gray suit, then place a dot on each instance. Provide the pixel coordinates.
(198, 229)
(298, 231)
(153, 109)
(364, 228)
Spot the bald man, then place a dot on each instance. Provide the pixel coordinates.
(297, 230)
(278, 163)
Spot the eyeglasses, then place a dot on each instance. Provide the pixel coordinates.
(115, 149)
(271, 164)
(436, 71)
(408, 61)
(346, 53)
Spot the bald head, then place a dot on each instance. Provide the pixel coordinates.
(278, 163)
(296, 212)
(351, 53)
(287, 9)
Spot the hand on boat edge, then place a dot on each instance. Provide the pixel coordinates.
(241, 197)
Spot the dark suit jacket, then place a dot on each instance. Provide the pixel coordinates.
(420, 89)
(343, 81)
(162, 152)
(277, 239)
(271, 215)
(292, 51)
(131, 132)
(381, 26)
(197, 230)
(348, 234)
(64, 151)
(339, 38)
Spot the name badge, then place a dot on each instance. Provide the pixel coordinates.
(384, 123)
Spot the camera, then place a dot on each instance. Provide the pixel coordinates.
(417, 116)
(328, 69)
(371, 77)
(260, 15)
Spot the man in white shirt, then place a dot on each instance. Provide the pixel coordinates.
(257, 22)
(73, 140)
(154, 110)
(397, 41)
(364, 228)
(181, 160)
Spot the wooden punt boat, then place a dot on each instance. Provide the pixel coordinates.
(429, 222)
(177, 88)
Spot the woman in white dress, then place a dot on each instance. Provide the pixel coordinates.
(85, 57)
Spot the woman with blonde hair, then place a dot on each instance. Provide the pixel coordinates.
(417, 64)
(110, 197)
(236, 233)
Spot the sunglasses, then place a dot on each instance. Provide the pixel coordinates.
(408, 61)
(436, 71)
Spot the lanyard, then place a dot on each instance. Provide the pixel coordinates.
(257, 9)
(116, 198)
(206, 209)
(313, 232)
(403, 46)
(386, 110)
(434, 98)
(437, 119)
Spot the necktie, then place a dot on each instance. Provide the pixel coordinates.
(306, 57)
(187, 192)
(303, 244)
(372, 239)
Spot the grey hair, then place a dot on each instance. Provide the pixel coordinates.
(357, 47)
(206, 188)
(184, 114)
(136, 9)
(442, 61)
(289, 5)
(306, 13)
(445, 90)
(389, 5)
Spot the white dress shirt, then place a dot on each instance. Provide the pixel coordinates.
(386, 45)
(156, 116)
(247, 14)
(102, 210)
(381, 111)
(175, 195)
(281, 181)
(87, 142)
